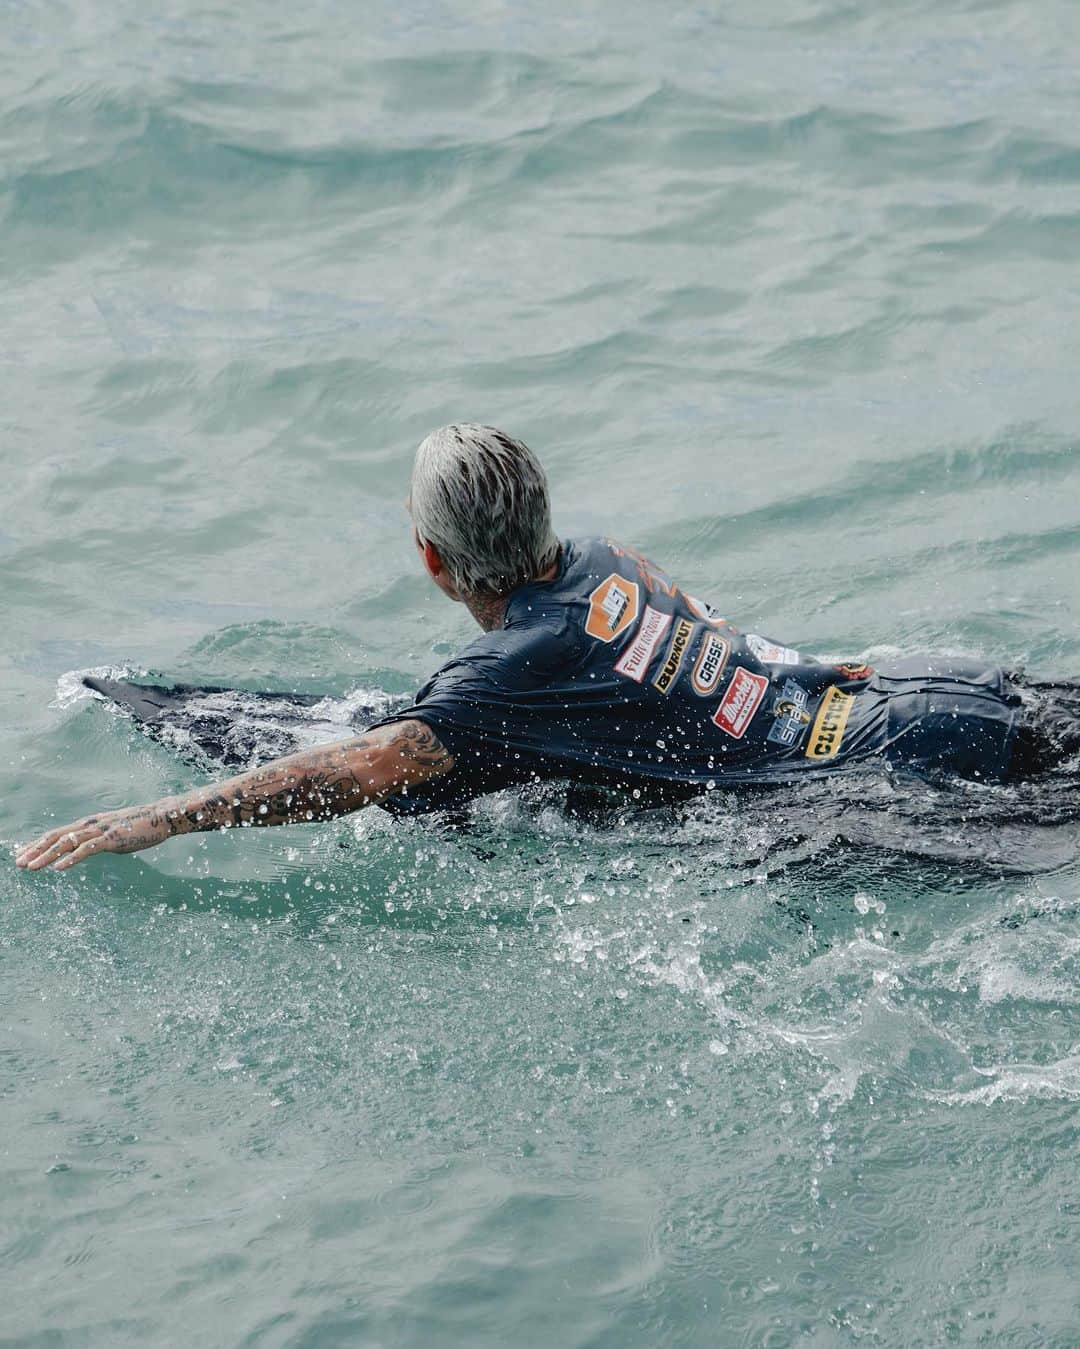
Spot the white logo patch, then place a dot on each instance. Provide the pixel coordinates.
(771, 653)
(634, 662)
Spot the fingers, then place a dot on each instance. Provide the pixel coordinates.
(26, 855)
(57, 844)
(65, 843)
(85, 849)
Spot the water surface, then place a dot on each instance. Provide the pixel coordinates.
(783, 293)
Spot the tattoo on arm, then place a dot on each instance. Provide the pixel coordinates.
(417, 743)
(318, 784)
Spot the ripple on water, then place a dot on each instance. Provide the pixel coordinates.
(786, 291)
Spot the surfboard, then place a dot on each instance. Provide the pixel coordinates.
(240, 728)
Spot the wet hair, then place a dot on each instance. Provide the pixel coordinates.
(481, 498)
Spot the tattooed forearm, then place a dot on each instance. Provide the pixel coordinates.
(318, 784)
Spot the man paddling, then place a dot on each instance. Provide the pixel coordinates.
(594, 666)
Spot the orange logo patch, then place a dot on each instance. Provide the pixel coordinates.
(613, 606)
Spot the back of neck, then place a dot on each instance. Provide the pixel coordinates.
(488, 610)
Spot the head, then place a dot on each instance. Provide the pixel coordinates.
(480, 510)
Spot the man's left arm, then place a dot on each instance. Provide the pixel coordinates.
(317, 784)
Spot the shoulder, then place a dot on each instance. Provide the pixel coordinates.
(537, 644)
(583, 565)
(491, 661)
(548, 623)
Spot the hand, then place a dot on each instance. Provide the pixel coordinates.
(115, 831)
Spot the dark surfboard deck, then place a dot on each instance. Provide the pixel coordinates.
(240, 728)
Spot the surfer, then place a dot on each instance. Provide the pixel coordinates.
(596, 667)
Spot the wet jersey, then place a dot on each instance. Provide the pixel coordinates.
(611, 674)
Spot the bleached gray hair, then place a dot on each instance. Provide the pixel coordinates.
(481, 498)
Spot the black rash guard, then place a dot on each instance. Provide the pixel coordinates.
(610, 674)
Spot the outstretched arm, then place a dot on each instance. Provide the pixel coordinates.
(314, 785)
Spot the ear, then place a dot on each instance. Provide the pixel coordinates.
(436, 570)
(432, 561)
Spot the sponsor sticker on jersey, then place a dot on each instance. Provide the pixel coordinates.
(771, 653)
(709, 612)
(790, 711)
(854, 669)
(634, 661)
(710, 663)
(740, 702)
(680, 640)
(827, 732)
(613, 606)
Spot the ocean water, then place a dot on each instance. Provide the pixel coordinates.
(785, 293)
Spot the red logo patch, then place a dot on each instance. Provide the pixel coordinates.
(740, 702)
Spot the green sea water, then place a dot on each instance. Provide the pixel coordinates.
(784, 293)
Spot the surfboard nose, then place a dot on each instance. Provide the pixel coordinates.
(138, 698)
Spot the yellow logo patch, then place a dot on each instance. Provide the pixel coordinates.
(827, 732)
(680, 639)
(613, 606)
